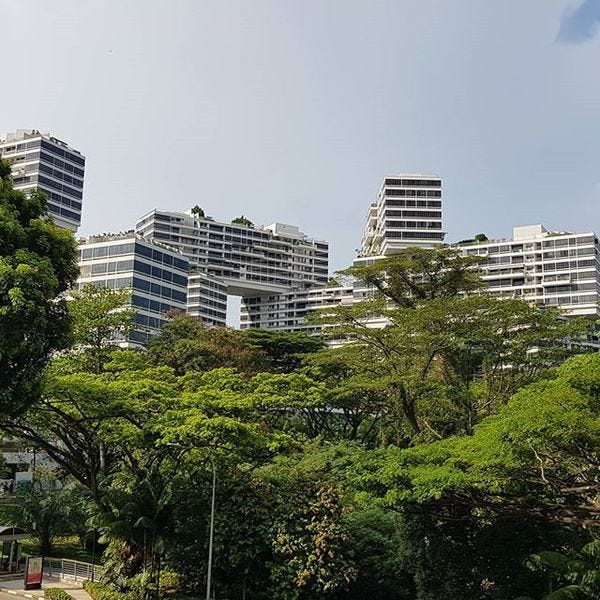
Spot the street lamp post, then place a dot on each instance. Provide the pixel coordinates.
(212, 528)
(212, 521)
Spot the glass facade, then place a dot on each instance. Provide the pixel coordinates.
(40, 161)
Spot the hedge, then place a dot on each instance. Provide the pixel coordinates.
(100, 592)
(57, 594)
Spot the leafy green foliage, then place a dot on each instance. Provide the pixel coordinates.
(197, 211)
(446, 360)
(184, 344)
(427, 460)
(310, 547)
(57, 594)
(242, 221)
(99, 591)
(47, 511)
(101, 317)
(418, 274)
(37, 264)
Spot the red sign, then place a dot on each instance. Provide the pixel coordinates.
(33, 572)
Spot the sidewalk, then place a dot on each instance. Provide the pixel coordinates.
(16, 587)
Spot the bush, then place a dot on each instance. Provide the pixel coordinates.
(57, 594)
(170, 581)
(100, 592)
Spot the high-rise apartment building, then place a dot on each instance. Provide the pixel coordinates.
(546, 268)
(407, 212)
(248, 261)
(156, 275)
(41, 161)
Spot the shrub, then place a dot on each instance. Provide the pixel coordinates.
(100, 592)
(57, 594)
(170, 581)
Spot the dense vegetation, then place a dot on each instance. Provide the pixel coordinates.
(37, 264)
(452, 454)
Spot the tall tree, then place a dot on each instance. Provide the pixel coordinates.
(448, 356)
(38, 262)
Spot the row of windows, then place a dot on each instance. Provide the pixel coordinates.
(572, 241)
(121, 266)
(572, 276)
(159, 256)
(53, 196)
(494, 283)
(201, 291)
(196, 302)
(195, 280)
(218, 315)
(538, 247)
(574, 264)
(551, 289)
(433, 214)
(114, 283)
(60, 187)
(586, 299)
(65, 212)
(572, 287)
(415, 235)
(76, 158)
(61, 164)
(153, 305)
(158, 273)
(503, 260)
(146, 321)
(21, 147)
(571, 252)
(158, 290)
(414, 224)
(103, 251)
(57, 174)
(413, 193)
(415, 182)
(414, 203)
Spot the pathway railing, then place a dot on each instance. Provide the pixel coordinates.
(64, 568)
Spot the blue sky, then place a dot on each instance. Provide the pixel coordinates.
(294, 111)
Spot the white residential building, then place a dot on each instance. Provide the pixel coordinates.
(252, 262)
(41, 161)
(545, 268)
(156, 275)
(407, 212)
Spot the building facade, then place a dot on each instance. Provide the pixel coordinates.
(252, 262)
(288, 311)
(41, 161)
(156, 275)
(407, 212)
(545, 268)
(207, 299)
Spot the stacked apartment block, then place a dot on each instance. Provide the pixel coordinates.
(191, 262)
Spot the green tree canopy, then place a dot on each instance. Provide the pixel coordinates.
(186, 345)
(38, 262)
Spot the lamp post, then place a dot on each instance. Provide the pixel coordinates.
(212, 521)
(212, 528)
